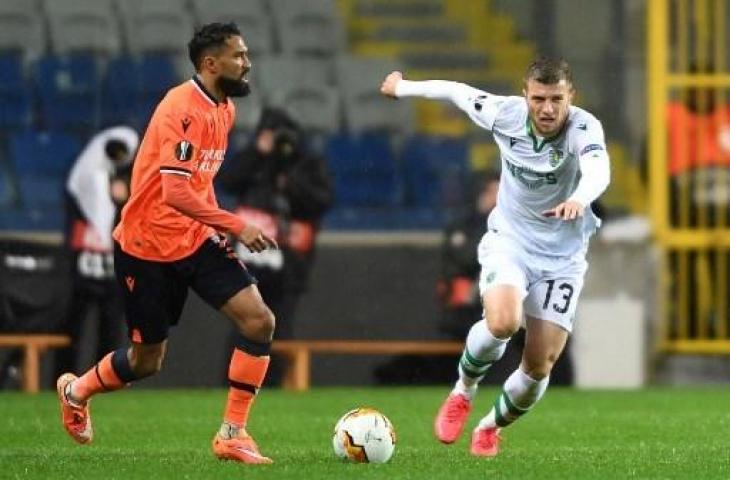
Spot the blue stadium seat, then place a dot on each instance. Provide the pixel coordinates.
(134, 86)
(384, 218)
(68, 90)
(41, 162)
(120, 89)
(436, 171)
(25, 219)
(42, 153)
(364, 170)
(15, 98)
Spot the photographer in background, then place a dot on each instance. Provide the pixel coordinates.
(285, 189)
(96, 189)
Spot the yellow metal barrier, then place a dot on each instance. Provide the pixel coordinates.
(689, 170)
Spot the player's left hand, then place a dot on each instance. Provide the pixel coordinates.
(569, 210)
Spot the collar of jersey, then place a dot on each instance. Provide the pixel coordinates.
(539, 146)
(204, 91)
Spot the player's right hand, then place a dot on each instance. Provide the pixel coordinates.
(255, 239)
(387, 88)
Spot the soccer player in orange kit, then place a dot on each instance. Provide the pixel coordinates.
(171, 237)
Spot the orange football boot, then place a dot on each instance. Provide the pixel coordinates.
(240, 448)
(485, 442)
(451, 418)
(75, 417)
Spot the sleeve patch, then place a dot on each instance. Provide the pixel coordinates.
(590, 148)
(184, 151)
(479, 102)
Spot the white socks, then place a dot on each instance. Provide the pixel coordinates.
(481, 351)
(520, 393)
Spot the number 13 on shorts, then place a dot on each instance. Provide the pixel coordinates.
(554, 300)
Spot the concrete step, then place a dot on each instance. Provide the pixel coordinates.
(396, 8)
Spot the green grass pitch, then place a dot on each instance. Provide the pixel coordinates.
(655, 433)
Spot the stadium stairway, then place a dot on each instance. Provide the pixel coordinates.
(459, 40)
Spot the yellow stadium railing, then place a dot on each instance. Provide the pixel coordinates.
(689, 171)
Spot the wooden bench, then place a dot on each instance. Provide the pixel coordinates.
(299, 353)
(33, 345)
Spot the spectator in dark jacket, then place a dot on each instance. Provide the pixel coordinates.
(286, 189)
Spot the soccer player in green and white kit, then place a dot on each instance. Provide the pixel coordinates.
(554, 164)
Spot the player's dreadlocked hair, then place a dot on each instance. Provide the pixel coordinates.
(549, 71)
(208, 37)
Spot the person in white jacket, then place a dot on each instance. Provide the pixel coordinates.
(532, 256)
(96, 188)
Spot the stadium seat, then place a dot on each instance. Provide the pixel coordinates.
(301, 86)
(248, 110)
(279, 71)
(315, 107)
(21, 28)
(365, 108)
(160, 26)
(309, 28)
(364, 170)
(83, 26)
(68, 90)
(36, 152)
(41, 161)
(134, 85)
(435, 171)
(16, 111)
(120, 92)
(384, 218)
(250, 16)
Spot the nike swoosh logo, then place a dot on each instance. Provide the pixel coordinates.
(249, 452)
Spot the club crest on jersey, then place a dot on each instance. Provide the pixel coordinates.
(555, 157)
(184, 151)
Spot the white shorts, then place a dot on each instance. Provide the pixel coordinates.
(550, 286)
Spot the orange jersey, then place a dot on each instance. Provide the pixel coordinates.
(698, 141)
(187, 136)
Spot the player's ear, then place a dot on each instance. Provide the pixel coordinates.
(209, 63)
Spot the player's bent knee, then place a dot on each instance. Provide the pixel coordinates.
(502, 323)
(259, 326)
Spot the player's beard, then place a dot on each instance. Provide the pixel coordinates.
(233, 87)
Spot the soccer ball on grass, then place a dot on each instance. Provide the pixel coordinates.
(364, 435)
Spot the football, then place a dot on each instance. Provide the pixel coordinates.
(364, 435)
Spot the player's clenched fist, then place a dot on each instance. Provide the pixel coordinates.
(256, 240)
(387, 88)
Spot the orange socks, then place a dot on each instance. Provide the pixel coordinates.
(102, 377)
(245, 375)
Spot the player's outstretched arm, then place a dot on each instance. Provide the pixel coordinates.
(480, 106)
(395, 86)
